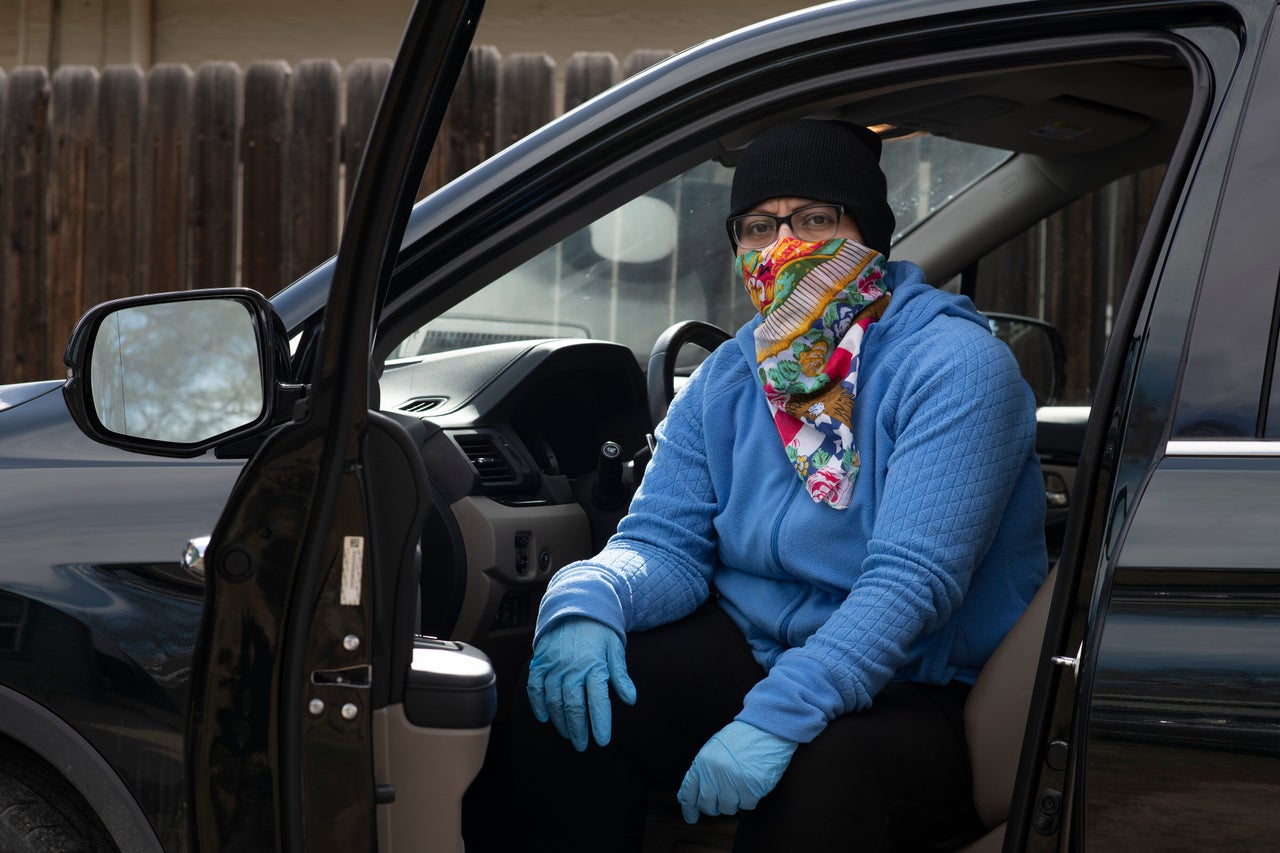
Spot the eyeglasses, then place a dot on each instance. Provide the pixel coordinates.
(757, 230)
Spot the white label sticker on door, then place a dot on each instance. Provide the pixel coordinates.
(352, 568)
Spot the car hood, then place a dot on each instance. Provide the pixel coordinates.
(12, 396)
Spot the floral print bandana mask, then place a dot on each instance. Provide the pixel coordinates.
(817, 299)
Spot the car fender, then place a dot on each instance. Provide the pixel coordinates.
(36, 727)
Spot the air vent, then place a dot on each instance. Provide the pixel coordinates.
(421, 404)
(483, 454)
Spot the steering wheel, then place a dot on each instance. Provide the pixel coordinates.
(662, 360)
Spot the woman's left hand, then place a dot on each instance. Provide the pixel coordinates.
(733, 770)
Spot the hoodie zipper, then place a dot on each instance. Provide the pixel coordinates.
(784, 627)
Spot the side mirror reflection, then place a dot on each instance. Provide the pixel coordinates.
(174, 373)
(178, 372)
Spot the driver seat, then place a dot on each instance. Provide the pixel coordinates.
(995, 717)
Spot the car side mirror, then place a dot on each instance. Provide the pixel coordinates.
(175, 374)
(1037, 346)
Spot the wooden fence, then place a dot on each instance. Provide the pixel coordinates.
(120, 182)
(117, 182)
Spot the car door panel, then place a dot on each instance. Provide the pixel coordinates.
(1182, 723)
(429, 769)
(433, 705)
(297, 555)
(1184, 674)
(1169, 706)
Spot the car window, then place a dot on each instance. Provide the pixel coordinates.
(1051, 273)
(664, 257)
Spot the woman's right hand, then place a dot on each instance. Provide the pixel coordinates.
(574, 662)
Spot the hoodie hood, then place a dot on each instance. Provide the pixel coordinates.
(916, 303)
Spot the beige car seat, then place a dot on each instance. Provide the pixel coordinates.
(995, 716)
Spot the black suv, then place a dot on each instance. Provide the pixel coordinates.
(457, 405)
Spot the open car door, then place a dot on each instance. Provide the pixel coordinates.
(280, 754)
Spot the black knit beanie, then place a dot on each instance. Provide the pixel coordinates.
(829, 161)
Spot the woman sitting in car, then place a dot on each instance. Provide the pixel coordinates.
(843, 517)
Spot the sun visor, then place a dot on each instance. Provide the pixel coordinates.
(1055, 127)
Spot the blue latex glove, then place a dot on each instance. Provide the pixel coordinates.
(733, 770)
(573, 664)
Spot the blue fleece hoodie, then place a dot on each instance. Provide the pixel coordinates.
(941, 547)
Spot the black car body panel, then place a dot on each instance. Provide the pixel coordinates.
(100, 617)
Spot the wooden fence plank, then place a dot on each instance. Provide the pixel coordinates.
(641, 59)
(311, 191)
(527, 96)
(23, 328)
(433, 174)
(72, 126)
(215, 161)
(1067, 281)
(587, 74)
(473, 112)
(162, 199)
(365, 80)
(113, 232)
(1115, 242)
(469, 128)
(266, 89)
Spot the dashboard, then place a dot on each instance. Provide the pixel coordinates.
(532, 451)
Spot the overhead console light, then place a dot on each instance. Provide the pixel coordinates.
(894, 133)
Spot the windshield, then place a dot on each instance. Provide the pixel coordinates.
(665, 257)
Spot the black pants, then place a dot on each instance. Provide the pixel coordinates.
(894, 777)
